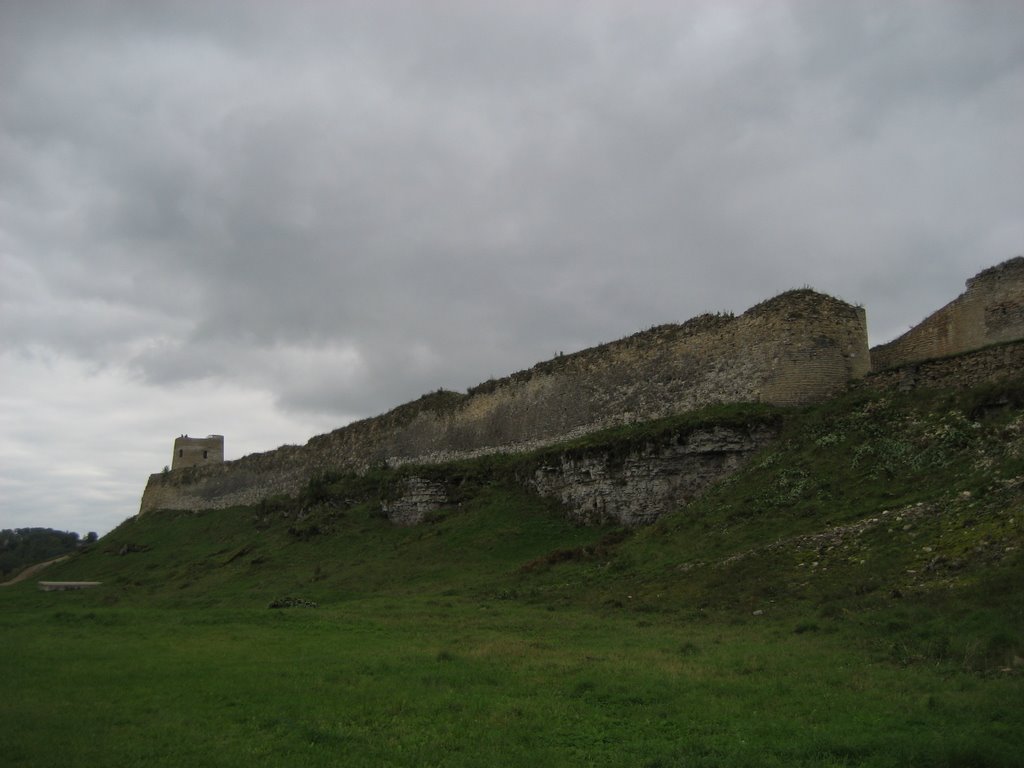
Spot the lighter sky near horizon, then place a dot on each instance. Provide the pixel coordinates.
(267, 219)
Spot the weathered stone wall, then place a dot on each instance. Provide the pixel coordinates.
(990, 311)
(248, 480)
(970, 369)
(799, 347)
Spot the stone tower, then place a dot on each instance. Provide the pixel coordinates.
(197, 451)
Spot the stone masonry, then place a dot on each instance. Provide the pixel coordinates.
(990, 311)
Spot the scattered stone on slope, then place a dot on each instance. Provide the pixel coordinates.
(291, 602)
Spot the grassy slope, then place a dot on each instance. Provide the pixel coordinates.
(851, 598)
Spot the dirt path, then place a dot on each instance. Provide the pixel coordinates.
(32, 570)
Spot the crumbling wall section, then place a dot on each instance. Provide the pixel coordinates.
(990, 311)
(970, 369)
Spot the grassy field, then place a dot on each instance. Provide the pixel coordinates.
(851, 598)
(445, 682)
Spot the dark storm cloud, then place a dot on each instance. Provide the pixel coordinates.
(350, 204)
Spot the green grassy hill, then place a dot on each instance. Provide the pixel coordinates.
(851, 597)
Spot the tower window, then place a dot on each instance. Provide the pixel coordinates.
(181, 452)
(204, 454)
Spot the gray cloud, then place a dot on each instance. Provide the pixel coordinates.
(332, 208)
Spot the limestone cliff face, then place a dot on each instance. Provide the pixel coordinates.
(605, 484)
(799, 347)
(640, 487)
(990, 311)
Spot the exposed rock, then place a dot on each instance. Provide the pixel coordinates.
(127, 549)
(650, 481)
(419, 497)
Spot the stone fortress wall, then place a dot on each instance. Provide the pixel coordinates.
(969, 369)
(990, 311)
(197, 451)
(799, 347)
(796, 348)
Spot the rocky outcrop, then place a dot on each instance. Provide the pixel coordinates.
(636, 488)
(417, 499)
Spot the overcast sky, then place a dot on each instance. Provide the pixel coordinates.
(266, 219)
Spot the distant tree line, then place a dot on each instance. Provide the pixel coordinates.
(21, 547)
